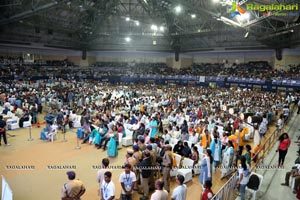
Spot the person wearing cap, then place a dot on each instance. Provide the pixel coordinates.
(153, 161)
(145, 168)
(137, 155)
(73, 188)
(108, 190)
(141, 143)
(167, 163)
(127, 180)
(129, 159)
(100, 173)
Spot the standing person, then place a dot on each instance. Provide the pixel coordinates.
(154, 127)
(127, 180)
(205, 139)
(216, 151)
(206, 167)
(100, 173)
(73, 188)
(3, 131)
(145, 167)
(248, 154)
(240, 135)
(167, 163)
(108, 187)
(160, 193)
(279, 123)
(207, 193)
(284, 144)
(256, 138)
(262, 129)
(227, 160)
(112, 147)
(179, 193)
(244, 172)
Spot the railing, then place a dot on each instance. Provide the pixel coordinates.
(227, 191)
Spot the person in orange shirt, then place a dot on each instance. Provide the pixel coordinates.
(205, 139)
(233, 139)
(255, 151)
(239, 136)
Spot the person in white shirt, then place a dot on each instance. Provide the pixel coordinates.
(179, 193)
(101, 172)
(160, 193)
(279, 123)
(127, 180)
(193, 138)
(108, 187)
(244, 172)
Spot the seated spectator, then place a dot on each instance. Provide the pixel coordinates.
(295, 172)
(186, 150)
(178, 148)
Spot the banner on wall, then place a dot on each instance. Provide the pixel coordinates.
(202, 79)
(6, 191)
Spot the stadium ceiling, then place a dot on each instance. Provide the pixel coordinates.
(148, 25)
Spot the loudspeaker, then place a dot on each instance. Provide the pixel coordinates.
(176, 55)
(37, 30)
(83, 54)
(279, 54)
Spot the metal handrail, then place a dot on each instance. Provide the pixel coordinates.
(226, 191)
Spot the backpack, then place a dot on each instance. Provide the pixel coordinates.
(253, 182)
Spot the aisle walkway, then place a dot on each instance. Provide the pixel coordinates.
(271, 187)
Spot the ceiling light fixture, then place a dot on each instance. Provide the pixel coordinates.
(178, 9)
(127, 39)
(153, 27)
(127, 19)
(137, 23)
(193, 16)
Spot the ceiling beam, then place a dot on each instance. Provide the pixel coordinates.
(31, 12)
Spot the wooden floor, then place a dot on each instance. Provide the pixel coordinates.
(46, 184)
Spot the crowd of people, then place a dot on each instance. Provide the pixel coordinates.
(164, 120)
(259, 70)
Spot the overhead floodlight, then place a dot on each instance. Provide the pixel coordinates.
(137, 23)
(246, 35)
(145, 1)
(127, 19)
(178, 9)
(154, 27)
(161, 28)
(193, 16)
(127, 39)
(28, 54)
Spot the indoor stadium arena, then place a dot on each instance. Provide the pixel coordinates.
(150, 99)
